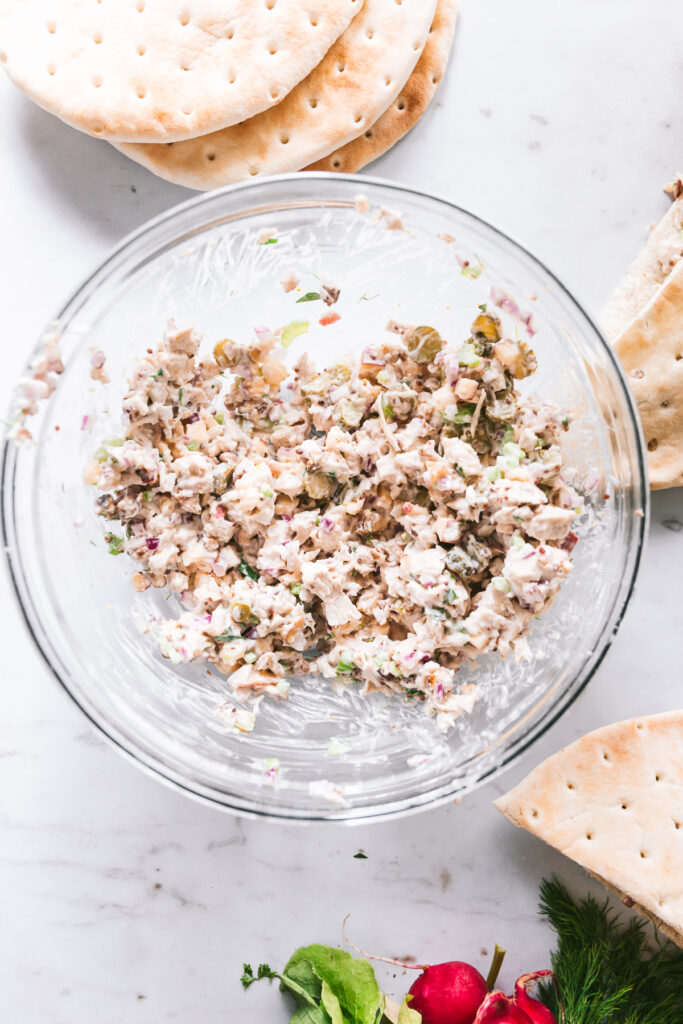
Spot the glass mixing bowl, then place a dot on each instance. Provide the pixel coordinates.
(202, 262)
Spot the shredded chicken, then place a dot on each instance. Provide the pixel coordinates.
(379, 522)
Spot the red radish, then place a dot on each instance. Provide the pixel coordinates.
(535, 1011)
(498, 1008)
(449, 993)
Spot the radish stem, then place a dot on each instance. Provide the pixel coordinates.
(496, 964)
(374, 956)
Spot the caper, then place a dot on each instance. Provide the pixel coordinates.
(227, 353)
(503, 408)
(319, 485)
(460, 562)
(487, 327)
(424, 344)
(240, 611)
(527, 362)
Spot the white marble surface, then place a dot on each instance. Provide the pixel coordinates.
(121, 899)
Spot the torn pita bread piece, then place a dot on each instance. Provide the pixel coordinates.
(663, 250)
(409, 106)
(613, 802)
(354, 83)
(150, 70)
(651, 352)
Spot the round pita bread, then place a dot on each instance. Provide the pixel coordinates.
(156, 71)
(357, 80)
(410, 105)
(612, 802)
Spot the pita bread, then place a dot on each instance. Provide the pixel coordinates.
(613, 802)
(664, 248)
(157, 71)
(651, 352)
(409, 106)
(344, 95)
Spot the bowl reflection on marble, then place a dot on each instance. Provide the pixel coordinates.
(341, 757)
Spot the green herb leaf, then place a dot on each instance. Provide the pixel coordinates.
(603, 971)
(263, 971)
(180, 395)
(351, 981)
(331, 1004)
(247, 570)
(268, 241)
(360, 855)
(225, 638)
(309, 297)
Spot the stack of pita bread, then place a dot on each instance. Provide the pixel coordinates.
(613, 802)
(644, 320)
(209, 92)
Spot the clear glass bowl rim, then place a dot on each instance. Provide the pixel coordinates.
(158, 770)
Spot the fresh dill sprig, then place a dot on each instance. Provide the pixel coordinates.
(605, 972)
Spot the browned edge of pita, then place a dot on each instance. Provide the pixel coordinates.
(609, 799)
(671, 933)
(407, 109)
(659, 256)
(651, 353)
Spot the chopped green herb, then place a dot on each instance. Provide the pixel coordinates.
(345, 666)
(225, 638)
(247, 570)
(309, 297)
(360, 855)
(413, 694)
(482, 307)
(180, 395)
(268, 241)
(451, 596)
(262, 971)
(115, 543)
(368, 298)
(565, 422)
(460, 470)
(159, 373)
